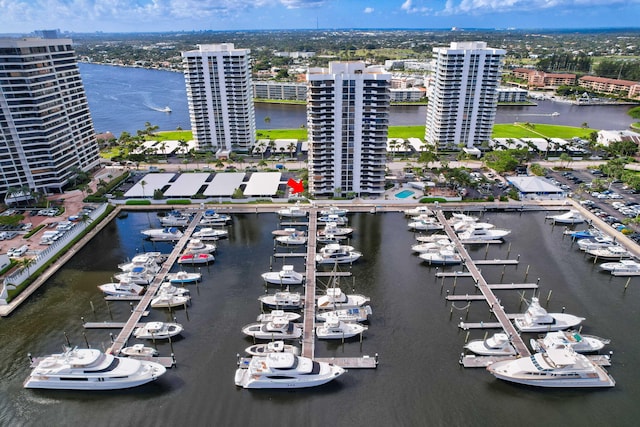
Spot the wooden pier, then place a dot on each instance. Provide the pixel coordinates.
(503, 320)
(309, 312)
(495, 261)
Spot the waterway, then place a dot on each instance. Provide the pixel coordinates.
(418, 381)
(124, 99)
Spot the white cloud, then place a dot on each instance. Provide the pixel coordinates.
(409, 7)
(483, 6)
(368, 10)
(300, 4)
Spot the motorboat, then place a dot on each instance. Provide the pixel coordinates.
(335, 299)
(570, 217)
(211, 217)
(170, 289)
(335, 230)
(163, 234)
(139, 350)
(287, 231)
(139, 275)
(334, 210)
(354, 314)
(122, 289)
(197, 246)
(91, 369)
(272, 347)
(595, 242)
(334, 253)
(579, 342)
(328, 239)
(168, 300)
(286, 276)
(148, 264)
(496, 345)
(425, 224)
(277, 329)
(335, 328)
(418, 210)
(536, 319)
(285, 370)
(441, 257)
(431, 238)
(283, 300)
(182, 277)
(209, 233)
(461, 218)
(475, 233)
(625, 267)
(463, 225)
(292, 239)
(175, 221)
(555, 367)
(430, 246)
(615, 252)
(335, 219)
(288, 315)
(157, 330)
(189, 258)
(292, 211)
(583, 234)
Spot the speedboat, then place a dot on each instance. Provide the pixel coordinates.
(337, 254)
(579, 342)
(334, 210)
(625, 267)
(477, 233)
(138, 275)
(203, 258)
(335, 328)
(288, 315)
(609, 252)
(335, 299)
(139, 350)
(277, 329)
(335, 219)
(465, 225)
(441, 257)
(293, 211)
(496, 345)
(285, 370)
(91, 369)
(286, 276)
(536, 319)
(147, 259)
(182, 277)
(163, 234)
(556, 367)
(418, 210)
(430, 238)
(210, 217)
(571, 217)
(292, 239)
(430, 246)
(197, 246)
(168, 300)
(284, 300)
(272, 347)
(169, 289)
(210, 233)
(122, 288)
(175, 221)
(582, 234)
(595, 242)
(157, 330)
(287, 231)
(425, 224)
(354, 314)
(151, 266)
(333, 229)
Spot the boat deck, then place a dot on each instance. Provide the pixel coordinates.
(472, 361)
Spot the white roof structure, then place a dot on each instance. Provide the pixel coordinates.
(187, 185)
(263, 184)
(398, 145)
(536, 187)
(304, 146)
(416, 143)
(224, 184)
(261, 146)
(282, 145)
(606, 137)
(153, 182)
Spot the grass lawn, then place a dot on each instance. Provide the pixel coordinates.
(282, 134)
(539, 131)
(406, 132)
(172, 135)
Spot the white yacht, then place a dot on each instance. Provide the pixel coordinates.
(157, 330)
(163, 234)
(579, 342)
(425, 224)
(272, 347)
(122, 288)
(609, 252)
(170, 289)
(431, 246)
(169, 300)
(334, 210)
(278, 314)
(292, 211)
(292, 239)
(286, 276)
(556, 367)
(139, 350)
(625, 267)
(464, 225)
(138, 275)
(475, 233)
(148, 259)
(441, 257)
(335, 219)
(202, 258)
(595, 242)
(335, 299)
(334, 253)
(182, 277)
(335, 328)
(496, 345)
(284, 300)
(536, 319)
(208, 233)
(277, 329)
(197, 246)
(287, 231)
(175, 221)
(211, 217)
(285, 370)
(335, 230)
(354, 314)
(418, 210)
(91, 369)
(571, 217)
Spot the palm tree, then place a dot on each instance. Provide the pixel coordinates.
(143, 183)
(184, 145)
(267, 119)
(263, 147)
(85, 220)
(292, 147)
(26, 263)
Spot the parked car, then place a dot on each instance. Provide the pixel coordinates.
(17, 252)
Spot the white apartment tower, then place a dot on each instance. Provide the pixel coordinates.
(219, 92)
(347, 124)
(46, 131)
(463, 94)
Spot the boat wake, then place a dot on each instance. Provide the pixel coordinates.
(165, 109)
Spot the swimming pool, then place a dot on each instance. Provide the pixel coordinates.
(404, 194)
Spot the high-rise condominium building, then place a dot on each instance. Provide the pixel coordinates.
(347, 122)
(46, 131)
(463, 95)
(219, 91)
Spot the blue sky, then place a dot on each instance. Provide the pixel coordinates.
(24, 16)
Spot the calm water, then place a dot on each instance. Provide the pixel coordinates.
(418, 381)
(123, 99)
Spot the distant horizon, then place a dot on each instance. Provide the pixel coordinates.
(161, 16)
